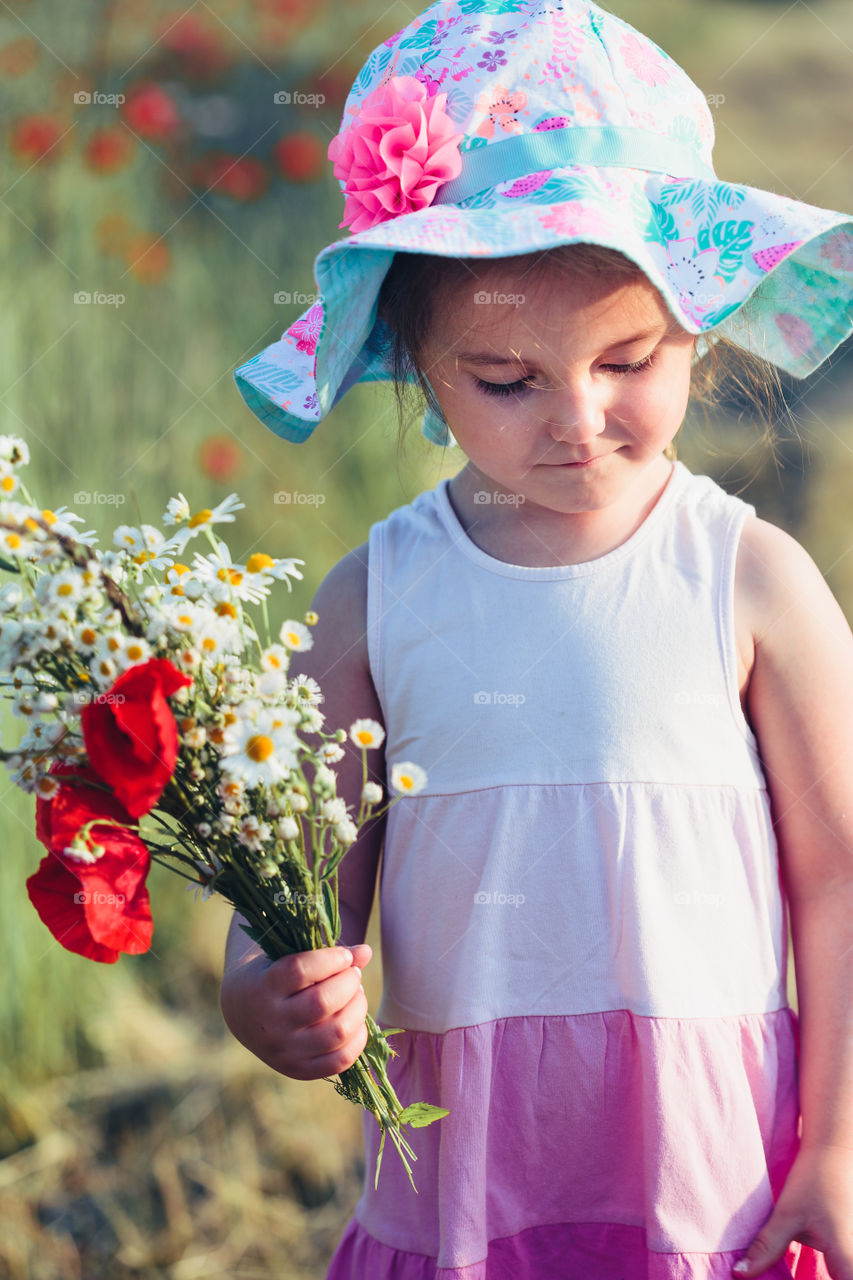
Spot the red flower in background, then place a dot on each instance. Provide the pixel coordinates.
(97, 909)
(34, 138)
(229, 175)
(109, 150)
(130, 733)
(220, 457)
(151, 112)
(147, 257)
(299, 157)
(198, 45)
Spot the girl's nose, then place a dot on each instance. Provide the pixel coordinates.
(575, 416)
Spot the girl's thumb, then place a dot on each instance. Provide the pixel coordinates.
(767, 1248)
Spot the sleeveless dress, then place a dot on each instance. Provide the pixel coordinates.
(584, 928)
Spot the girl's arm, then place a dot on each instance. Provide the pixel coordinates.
(301, 1007)
(800, 703)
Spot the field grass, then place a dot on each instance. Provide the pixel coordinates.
(137, 1139)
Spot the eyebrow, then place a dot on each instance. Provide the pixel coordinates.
(487, 358)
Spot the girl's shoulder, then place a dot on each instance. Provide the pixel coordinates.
(771, 571)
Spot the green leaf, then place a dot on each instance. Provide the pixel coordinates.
(395, 1031)
(8, 566)
(422, 1113)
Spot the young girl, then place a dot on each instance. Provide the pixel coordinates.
(633, 698)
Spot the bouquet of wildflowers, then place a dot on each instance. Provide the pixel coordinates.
(161, 727)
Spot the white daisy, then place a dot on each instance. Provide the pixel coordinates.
(287, 828)
(305, 689)
(177, 509)
(367, 733)
(9, 482)
(263, 750)
(324, 779)
(407, 778)
(14, 450)
(62, 521)
(346, 831)
(271, 685)
(295, 635)
(206, 519)
(253, 833)
(332, 753)
(371, 793)
(312, 719)
(275, 658)
(334, 810)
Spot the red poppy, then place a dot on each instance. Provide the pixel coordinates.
(130, 733)
(35, 137)
(108, 150)
(229, 175)
(299, 157)
(151, 112)
(198, 45)
(220, 457)
(148, 258)
(97, 909)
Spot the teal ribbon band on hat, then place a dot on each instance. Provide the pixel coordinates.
(599, 145)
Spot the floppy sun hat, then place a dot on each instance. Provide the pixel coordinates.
(490, 128)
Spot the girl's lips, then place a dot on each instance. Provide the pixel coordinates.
(587, 463)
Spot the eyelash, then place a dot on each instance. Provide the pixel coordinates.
(516, 388)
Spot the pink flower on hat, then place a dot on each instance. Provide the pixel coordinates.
(400, 148)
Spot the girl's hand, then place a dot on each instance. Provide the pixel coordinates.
(814, 1207)
(303, 1015)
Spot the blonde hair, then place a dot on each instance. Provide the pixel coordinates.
(431, 279)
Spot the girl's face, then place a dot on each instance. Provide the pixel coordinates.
(533, 376)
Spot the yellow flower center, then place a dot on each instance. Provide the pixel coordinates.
(88, 635)
(259, 748)
(179, 568)
(143, 557)
(273, 660)
(295, 640)
(259, 561)
(48, 517)
(406, 781)
(200, 517)
(208, 644)
(113, 643)
(365, 737)
(177, 591)
(8, 483)
(13, 540)
(135, 652)
(65, 589)
(225, 609)
(185, 619)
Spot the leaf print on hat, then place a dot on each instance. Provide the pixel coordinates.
(502, 109)
(838, 251)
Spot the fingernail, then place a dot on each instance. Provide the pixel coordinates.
(350, 954)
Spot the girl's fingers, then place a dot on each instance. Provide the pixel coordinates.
(294, 973)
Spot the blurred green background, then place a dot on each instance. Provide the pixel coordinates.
(137, 1138)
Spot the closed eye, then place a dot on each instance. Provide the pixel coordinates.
(524, 384)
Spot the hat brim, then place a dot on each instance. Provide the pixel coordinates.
(773, 275)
